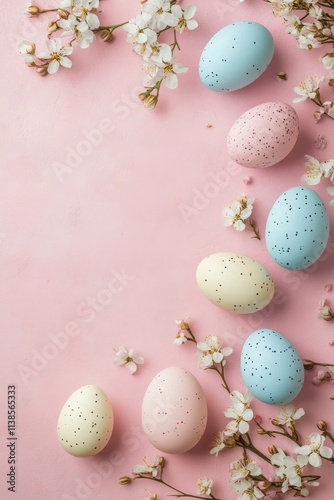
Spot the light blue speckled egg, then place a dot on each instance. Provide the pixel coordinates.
(271, 367)
(236, 56)
(297, 228)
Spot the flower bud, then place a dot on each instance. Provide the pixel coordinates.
(33, 10)
(308, 364)
(107, 36)
(42, 71)
(281, 76)
(161, 462)
(151, 101)
(125, 480)
(331, 82)
(63, 14)
(52, 27)
(261, 431)
(272, 449)
(142, 96)
(322, 426)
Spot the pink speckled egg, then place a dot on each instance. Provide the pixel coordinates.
(264, 135)
(174, 411)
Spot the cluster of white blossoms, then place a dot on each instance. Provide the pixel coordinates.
(238, 214)
(313, 27)
(211, 352)
(160, 64)
(78, 21)
(318, 171)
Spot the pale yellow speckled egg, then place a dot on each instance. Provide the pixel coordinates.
(85, 422)
(235, 282)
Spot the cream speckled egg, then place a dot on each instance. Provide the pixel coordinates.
(264, 135)
(235, 282)
(174, 411)
(85, 422)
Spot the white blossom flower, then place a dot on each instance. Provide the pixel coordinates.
(281, 9)
(184, 18)
(315, 172)
(248, 490)
(328, 107)
(83, 10)
(288, 416)
(212, 351)
(160, 10)
(314, 449)
(315, 11)
(222, 439)
(66, 4)
(307, 89)
(73, 27)
(57, 53)
(243, 469)
(278, 459)
(128, 358)
(149, 469)
(293, 25)
(328, 60)
(180, 338)
(239, 210)
(138, 30)
(27, 50)
(204, 486)
(308, 41)
(165, 69)
(240, 412)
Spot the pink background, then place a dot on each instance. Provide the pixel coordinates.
(121, 209)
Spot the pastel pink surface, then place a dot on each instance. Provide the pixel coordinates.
(106, 253)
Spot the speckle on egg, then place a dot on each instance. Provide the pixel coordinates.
(271, 367)
(236, 56)
(297, 228)
(263, 135)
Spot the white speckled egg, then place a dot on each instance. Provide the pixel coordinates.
(264, 135)
(174, 411)
(235, 282)
(85, 422)
(271, 367)
(236, 56)
(297, 228)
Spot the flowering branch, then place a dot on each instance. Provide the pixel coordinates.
(77, 20)
(246, 475)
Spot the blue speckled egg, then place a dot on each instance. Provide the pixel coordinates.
(271, 367)
(236, 56)
(297, 228)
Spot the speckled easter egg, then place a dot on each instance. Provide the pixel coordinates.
(235, 282)
(264, 135)
(85, 422)
(236, 56)
(271, 367)
(174, 411)
(297, 228)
